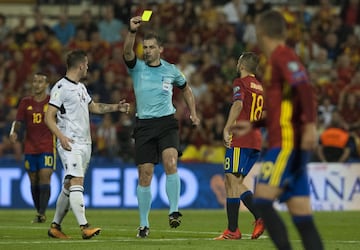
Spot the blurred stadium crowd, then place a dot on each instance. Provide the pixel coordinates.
(204, 38)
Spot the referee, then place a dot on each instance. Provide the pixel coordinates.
(156, 129)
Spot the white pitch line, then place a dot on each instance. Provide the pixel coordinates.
(70, 241)
(6, 240)
(124, 239)
(127, 230)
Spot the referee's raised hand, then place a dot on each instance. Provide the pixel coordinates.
(134, 23)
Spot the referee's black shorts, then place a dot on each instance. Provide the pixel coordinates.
(154, 135)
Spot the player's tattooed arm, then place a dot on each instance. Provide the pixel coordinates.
(101, 108)
(105, 108)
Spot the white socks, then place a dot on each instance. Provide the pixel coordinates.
(62, 206)
(77, 203)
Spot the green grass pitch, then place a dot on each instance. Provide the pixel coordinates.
(339, 230)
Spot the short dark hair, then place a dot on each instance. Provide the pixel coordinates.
(250, 61)
(74, 58)
(153, 35)
(272, 24)
(40, 73)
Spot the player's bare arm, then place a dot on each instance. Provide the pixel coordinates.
(243, 127)
(320, 152)
(190, 102)
(309, 138)
(50, 120)
(102, 108)
(15, 127)
(235, 110)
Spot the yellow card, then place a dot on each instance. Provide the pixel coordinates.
(146, 15)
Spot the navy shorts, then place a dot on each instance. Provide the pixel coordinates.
(240, 160)
(286, 169)
(35, 162)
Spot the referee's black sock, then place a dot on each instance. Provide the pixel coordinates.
(273, 223)
(310, 236)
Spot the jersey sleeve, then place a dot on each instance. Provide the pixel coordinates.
(238, 90)
(87, 97)
(179, 79)
(294, 72)
(56, 96)
(20, 115)
(130, 64)
(296, 76)
(137, 66)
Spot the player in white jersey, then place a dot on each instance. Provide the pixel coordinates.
(68, 118)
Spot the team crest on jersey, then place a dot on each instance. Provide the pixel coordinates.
(29, 108)
(27, 165)
(82, 97)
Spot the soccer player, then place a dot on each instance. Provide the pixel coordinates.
(291, 126)
(68, 118)
(242, 152)
(39, 143)
(156, 129)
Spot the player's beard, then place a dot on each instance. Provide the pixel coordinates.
(147, 59)
(84, 76)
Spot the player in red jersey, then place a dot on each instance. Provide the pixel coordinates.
(39, 148)
(242, 152)
(290, 123)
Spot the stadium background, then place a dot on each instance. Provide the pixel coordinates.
(205, 44)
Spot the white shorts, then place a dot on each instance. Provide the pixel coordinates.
(76, 161)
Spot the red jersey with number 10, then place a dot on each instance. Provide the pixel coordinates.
(250, 91)
(38, 137)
